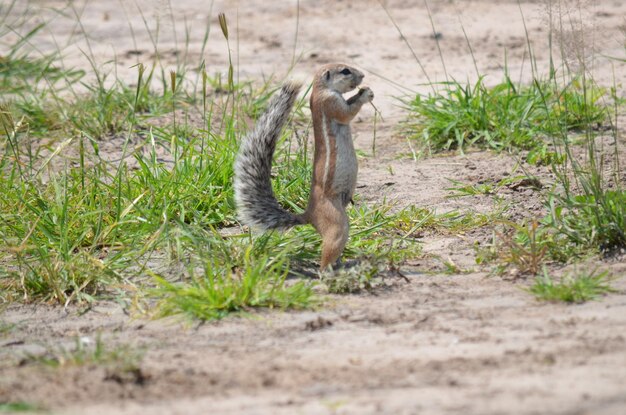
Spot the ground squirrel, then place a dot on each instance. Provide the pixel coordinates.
(334, 161)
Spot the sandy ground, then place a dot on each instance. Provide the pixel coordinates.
(467, 343)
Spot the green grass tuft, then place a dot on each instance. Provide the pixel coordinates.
(571, 288)
(254, 281)
(592, 220)
(502, 117)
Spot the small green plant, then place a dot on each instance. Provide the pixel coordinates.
(571, 288)
(451, 268)
(526, 250)
(578, 106)
(487, 253)
(595, 219)
(460, 189)
(588, 214)
(544, 155)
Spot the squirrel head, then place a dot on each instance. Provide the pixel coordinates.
(339, 77)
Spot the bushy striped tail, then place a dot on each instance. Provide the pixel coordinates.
(257, 206)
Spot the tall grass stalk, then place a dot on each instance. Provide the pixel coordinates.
(407, 43)
(436, 37)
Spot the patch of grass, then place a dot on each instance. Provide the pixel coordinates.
(85, 227)
(239, 278)
(589, 211)
(415, 221)
(76, 231)
(193, 186)
(524, 249)
(98, 112)
(464, 115)
(376, 232)
(460, 189)
(571, 288)
(586, 214)
(58, 233)
(22, 74)
(564, 235)
(502, 117)
(103, 111)
(31, 85)
(595, 219)
(76, 278)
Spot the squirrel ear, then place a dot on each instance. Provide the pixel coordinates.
(327, 75)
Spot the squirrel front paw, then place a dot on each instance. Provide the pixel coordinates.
(366, 94)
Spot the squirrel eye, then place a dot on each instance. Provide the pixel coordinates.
(345, 71)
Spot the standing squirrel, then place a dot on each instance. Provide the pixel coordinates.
(334, 161)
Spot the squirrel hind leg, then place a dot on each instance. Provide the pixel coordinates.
(332, 224)
(332, 248)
